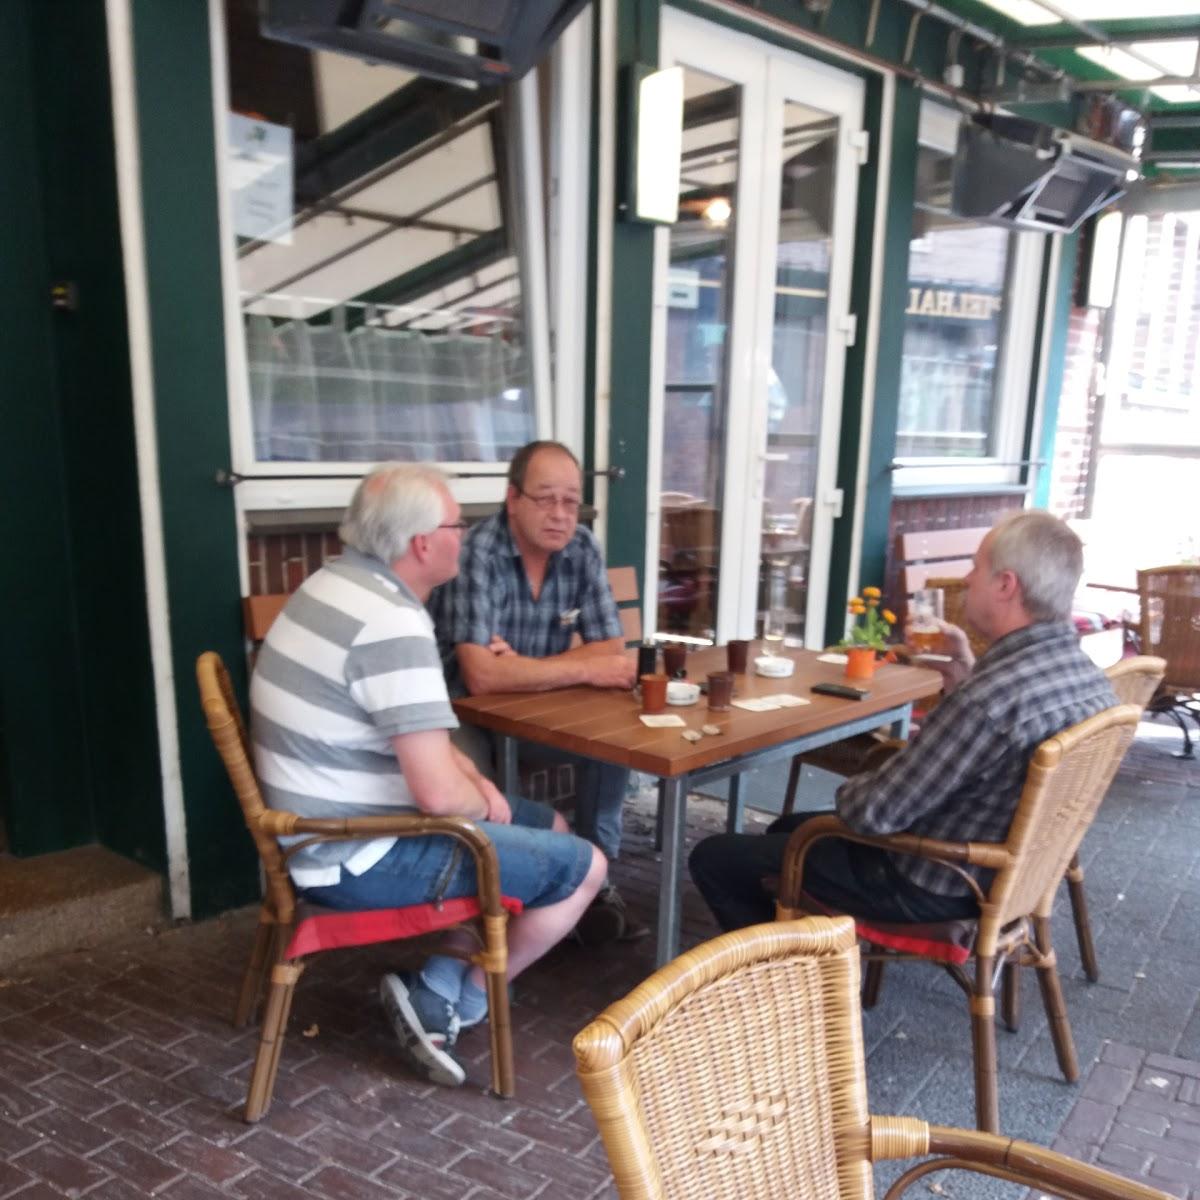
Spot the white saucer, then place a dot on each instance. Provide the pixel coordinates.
(772, 667)
(679, 691)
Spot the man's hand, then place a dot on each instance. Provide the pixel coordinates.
(957, 645)
(612, 671)
(499, 647)
(498, 809)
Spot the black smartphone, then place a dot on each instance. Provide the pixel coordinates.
(847, 691)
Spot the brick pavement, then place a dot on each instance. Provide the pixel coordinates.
(120, 1075)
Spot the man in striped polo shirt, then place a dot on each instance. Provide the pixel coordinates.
(351, 717)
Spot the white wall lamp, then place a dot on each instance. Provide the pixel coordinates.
(655, 100)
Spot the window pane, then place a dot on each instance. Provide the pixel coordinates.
(378, 277)
(953, 326)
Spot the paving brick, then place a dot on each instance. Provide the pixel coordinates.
(68, 1092)
(1179, 1066)
(339, 1184)
(336, 1146)
(15, 1138)
(16, 1103)
(279, 1155)
(505, 1178)
(1124, 1158)
(500, 1139)
(67, 1172)
(69, 1131)
(1174, 1170)
(1121, 1055)
(132, 1123)
(189, 1188)
(564, 1170)
(1108, 1083)
(426, 1181)
(12, 1178)
(262, 1185)
(21, 1068)
(1147, 1122)
(137, 1167)
(1089, 1121)
(212, 1163)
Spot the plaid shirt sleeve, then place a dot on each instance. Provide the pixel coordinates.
(598, 616)
(468, 603)
(957, 741)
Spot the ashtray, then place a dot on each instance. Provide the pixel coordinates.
(773, 668)
(679, 691)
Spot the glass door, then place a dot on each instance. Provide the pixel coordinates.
(753, 326)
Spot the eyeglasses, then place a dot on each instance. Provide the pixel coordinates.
(549, 502)
(461, 526)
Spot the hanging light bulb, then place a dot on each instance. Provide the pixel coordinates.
(718, 211)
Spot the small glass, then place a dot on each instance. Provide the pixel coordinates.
(654, 693)
(737, 655)
(675, 660)
(647, 659)
(720, 691)
(774, 629)
(925, 612)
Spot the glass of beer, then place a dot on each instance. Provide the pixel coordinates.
(925, 611)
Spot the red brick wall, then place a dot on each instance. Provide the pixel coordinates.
(280, 562)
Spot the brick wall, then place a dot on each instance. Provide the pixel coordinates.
(281, 562)
(1076, 434)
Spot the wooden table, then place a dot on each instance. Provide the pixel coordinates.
(604, 725)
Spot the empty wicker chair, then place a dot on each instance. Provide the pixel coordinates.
(737, 1072)
(1134, 680)
(289, 931)
(1170, 601)
(1066, 781)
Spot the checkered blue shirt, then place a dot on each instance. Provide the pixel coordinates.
(491, 596)
(961, 777)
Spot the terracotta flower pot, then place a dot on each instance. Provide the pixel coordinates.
(860, 662)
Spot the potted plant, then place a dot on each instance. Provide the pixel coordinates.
(868, 634)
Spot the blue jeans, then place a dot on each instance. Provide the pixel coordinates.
(537, 866)
(599, 787)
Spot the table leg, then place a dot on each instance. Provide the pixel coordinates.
(672, 800)
(900, 728)
(507, 753)
(736, 810)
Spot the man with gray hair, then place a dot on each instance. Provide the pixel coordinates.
(351, 717)
(961, 777)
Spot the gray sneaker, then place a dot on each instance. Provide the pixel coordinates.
(426, 1026)
(607, 919)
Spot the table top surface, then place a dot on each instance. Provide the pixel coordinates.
(604, 724)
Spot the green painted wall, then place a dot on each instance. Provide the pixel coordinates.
(632, 313)
(78, 702)
(897, 233)
(179, 198)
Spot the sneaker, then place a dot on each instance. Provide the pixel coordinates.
(608, 920)
(426, 1027)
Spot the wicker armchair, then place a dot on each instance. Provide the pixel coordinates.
(1170, 602)
(289, 930)
(737, 1071)
(1066, 781)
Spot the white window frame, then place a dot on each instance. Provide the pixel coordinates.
(272, 486)
(938, 129)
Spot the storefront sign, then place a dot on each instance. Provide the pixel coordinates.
(944, 302)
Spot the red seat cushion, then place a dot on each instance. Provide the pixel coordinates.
(328, 929)
(945, 941)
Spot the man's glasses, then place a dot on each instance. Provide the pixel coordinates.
(461, 526)
(549, 502)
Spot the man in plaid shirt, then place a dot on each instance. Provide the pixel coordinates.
(961, 777)
(529, 579)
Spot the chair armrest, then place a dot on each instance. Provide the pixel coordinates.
(979, 854)
(998, 1156)
(277, 823)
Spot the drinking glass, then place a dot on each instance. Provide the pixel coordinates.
(774, 628)
(926, 610)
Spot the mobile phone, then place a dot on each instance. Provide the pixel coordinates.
(847, 691)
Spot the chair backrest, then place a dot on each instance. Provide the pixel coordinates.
(1136, 679)
(737, 1070)
(1066, 781)
(923, 555)
(1170, 601)
(228, 731)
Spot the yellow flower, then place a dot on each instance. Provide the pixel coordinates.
(873, 592)
(889, 616)
(873, 601)
(857, 607)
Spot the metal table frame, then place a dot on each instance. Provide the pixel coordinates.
(673, 792)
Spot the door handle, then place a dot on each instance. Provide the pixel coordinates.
(834, 500)
(774, 456)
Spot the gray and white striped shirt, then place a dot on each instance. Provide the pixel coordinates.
(350, 663)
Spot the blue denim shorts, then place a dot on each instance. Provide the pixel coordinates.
(537, 866)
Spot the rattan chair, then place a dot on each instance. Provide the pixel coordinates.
(289, 930)
(1170, 602)
(736, 1072)
(1134, 680)
(1066, 781)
